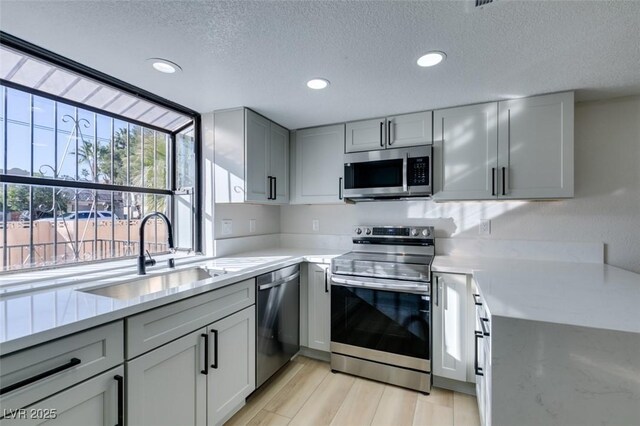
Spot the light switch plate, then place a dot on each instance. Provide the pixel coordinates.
(485, 227)
(227, 227)
(252, 225)
(315, 225)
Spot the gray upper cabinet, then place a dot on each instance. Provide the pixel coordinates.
(390, 132)
(516, 149)
(465, 152)
(318, 168)
(535, 157)
(365, 135)
(279, 163)
(258, 134)
(409, 130)
(251, 158)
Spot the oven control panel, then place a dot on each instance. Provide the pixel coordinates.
(393, 232)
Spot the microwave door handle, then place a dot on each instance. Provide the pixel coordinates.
(405, 184)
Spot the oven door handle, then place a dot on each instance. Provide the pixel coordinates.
(414, 287)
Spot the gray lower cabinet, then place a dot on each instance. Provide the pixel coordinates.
(201, 378)
(94, 402)
(319, 306)
(168, 386)
(232, 369)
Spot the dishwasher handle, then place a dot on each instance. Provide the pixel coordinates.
(279, 282)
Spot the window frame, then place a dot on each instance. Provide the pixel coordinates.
(196, 120)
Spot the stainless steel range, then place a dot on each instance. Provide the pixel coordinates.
(380, 306)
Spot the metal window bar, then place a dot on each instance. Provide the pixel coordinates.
(55, 174)
(112, 180)
(31, 194)
(95, 179)
(155, 183)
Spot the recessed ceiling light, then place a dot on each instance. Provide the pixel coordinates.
(164, 65)
(431, 59)
(317, 83)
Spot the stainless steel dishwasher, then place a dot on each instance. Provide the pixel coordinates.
(278, 320)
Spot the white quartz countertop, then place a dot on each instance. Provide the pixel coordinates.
(32, 316)
(581, 294)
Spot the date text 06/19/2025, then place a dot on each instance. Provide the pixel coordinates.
(30, 413)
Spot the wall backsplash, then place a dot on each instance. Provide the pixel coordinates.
(606, 207)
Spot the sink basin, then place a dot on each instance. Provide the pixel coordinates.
(152, 283)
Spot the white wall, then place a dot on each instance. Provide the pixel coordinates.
(267, 219)
(606, 207)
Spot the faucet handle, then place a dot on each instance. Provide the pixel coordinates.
(151, 260)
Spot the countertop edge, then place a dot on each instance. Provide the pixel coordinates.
(231, 278)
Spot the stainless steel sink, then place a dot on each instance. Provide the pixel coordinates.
(152, 283)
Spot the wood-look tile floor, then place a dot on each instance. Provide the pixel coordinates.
(305, 392)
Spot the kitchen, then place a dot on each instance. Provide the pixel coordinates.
(320, 213)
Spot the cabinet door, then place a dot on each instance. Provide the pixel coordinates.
(319, 165)
(168, 386)
(465, 152)
(365, 135)
(257, 134)
(232, 358)
(319, 307)
(536, 147)
(279, 163)
(450, 326)
(90, 403)
(410, 129)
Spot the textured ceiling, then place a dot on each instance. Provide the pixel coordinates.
(260, 54)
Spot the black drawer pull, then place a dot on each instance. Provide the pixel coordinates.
(120, 381)
(476, 299)
(477, 368)
(215, 349)
(206, 354)
(73, 362)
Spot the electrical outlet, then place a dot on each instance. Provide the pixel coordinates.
(485, 227)
(315, 225)
(227, 227)
(252, 225)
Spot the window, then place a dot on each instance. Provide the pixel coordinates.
(75, 180)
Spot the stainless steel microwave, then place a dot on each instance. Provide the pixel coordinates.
(396, 173)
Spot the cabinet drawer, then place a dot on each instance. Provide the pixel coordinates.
(154, 328)
(59, 364)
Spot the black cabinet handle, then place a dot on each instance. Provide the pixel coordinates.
(215, 349)
(382, 134)
(275, 187)
(326, 283)
(504, 181)
(205, 371)
(389, 141)
(118, 378)
(270, 197)
(476, 299)
(477, 368)
(340, 188)
(493, 181)
(73, 362)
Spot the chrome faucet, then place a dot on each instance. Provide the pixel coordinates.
(143, 262)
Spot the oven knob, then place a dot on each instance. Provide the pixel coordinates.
(358, 231)
(368, 231)
(414, 232)
(425, 232)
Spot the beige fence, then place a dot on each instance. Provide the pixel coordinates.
(59, 242)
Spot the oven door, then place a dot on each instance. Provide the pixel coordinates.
(377, 323)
